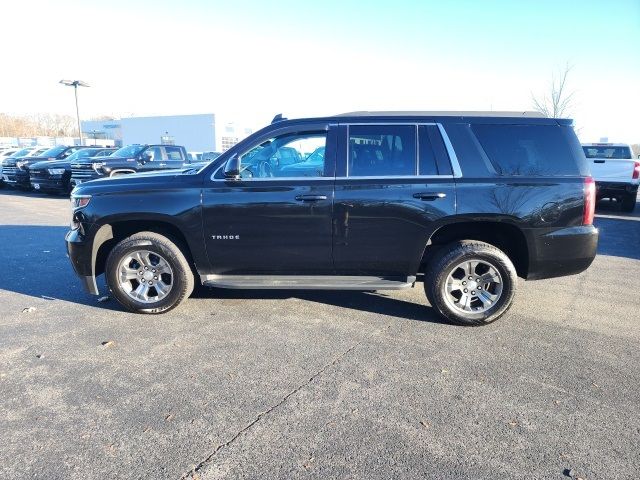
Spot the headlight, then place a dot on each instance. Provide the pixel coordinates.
(56, 171)
(79, 201)
(21, 165)
(97, 166)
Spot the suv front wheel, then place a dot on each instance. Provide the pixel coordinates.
(148, 273)
(470, 282)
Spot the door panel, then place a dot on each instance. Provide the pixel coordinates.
(276, 219)
(381, 226)
(260, 227)
(384, 207)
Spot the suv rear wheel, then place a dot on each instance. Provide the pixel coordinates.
(147, 273)
(470, 282)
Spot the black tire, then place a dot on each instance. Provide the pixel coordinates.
(182, 279)
(628, 203)
(452, 255)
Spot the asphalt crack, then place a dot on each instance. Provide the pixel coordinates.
(193, 473)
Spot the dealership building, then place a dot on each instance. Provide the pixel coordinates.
(198, 133)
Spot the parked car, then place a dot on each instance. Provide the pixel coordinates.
(209, 156)
(193, 157)
(16, 171)
(7, 152)
(127, 160)
(23, 152)
(467, 201)
(616, 172)
(312, 166)
(55, 177)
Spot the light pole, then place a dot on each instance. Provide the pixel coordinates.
(75, 84)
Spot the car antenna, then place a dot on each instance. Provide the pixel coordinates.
(278, 118)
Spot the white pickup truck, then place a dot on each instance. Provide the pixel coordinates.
(615, 171)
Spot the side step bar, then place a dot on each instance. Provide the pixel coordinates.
(307, 282)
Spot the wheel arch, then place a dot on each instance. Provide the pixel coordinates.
(112, 233)
(502, 234)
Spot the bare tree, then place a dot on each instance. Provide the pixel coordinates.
(558, 101)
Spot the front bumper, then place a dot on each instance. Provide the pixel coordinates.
(566, 251)
(57, 183)
(83, 245)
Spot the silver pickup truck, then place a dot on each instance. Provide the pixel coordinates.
(615, 171)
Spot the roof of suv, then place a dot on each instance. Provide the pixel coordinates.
(417, 116)
(440, 114)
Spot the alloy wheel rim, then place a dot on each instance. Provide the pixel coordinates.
(145, 276)
(473, 286)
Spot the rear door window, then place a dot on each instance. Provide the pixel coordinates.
(531, 150)
(382, 150)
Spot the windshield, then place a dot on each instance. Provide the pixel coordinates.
(53, 152)
(128, 151)
(607, 151)
(20, 153)
(84, 153)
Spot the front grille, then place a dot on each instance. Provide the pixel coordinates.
(9, 170)
(83, 171)
(37, 174)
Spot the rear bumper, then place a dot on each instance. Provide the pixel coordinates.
(562, 252)
(604, 189)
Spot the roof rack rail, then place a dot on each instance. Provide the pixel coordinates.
(442, 114)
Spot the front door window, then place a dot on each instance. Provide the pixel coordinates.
(288, 156)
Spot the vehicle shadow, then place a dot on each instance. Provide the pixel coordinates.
(613, 208)
(367, 301)
(16, 192)
(33, 262)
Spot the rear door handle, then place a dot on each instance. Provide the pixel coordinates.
(599, 161)
(163, 164)
(310, 198)
(429, 196)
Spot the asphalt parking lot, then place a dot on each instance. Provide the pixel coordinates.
(257, 384)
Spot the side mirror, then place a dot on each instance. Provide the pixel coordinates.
(232, 168)
(145, 157)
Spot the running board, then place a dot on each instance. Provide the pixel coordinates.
(307, 282)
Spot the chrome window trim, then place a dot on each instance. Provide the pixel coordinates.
(393, 177)
(213, 178)
(453, 158)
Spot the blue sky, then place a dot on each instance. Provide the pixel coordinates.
(252, 59)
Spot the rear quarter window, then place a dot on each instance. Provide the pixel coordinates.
(532, 150)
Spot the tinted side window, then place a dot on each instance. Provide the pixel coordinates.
(292, 156)
(382, 150)
(433, 156)
(531, 150)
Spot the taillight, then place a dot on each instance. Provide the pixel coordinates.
(589, 201)
(636, 171)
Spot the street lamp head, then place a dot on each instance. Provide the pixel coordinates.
(74, 83)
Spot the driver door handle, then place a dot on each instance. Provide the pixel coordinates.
(310, 198)
(163, 164)
(429, 196)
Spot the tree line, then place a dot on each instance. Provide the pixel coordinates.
(40, 124)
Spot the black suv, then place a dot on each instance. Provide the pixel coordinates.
(130, 159)
(468, 202)
(15, 171)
